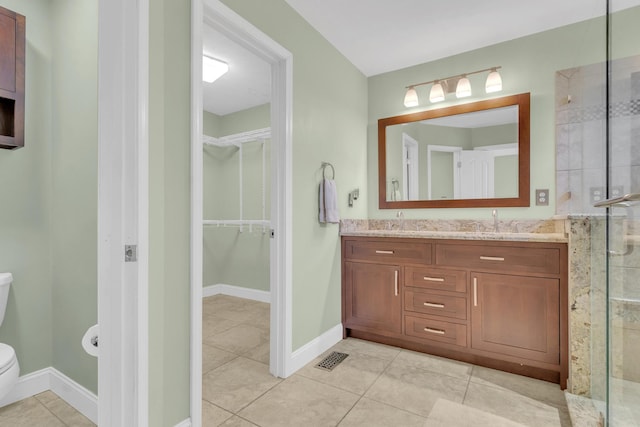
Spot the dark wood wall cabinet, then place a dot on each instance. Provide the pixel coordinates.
(12, 54)
(499, 304)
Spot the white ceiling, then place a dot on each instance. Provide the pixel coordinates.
(379, 36)
(246, 85)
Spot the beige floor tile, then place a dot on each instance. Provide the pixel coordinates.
(299, 401)
(234, 385)
(354, 345)
(213, 357)
(512, 405)
(212, 324)
(239, 339)
(28, 413)
(61, 409)
(236, 421)
(451, 414)
(231, 308)
(356, 373)
(536, 389)
(259, 353)
(436, 364)
(212, 415)
(415, 390)
(375, 414)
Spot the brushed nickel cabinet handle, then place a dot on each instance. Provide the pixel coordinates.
(433, 279)
(492, 258)
(475, 291)
(434, 331)
(384, 252)
(434, 304)
(396, 281)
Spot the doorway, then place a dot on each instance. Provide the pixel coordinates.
(277, 205)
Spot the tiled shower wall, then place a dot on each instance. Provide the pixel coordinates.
(581, 179)
(581, 134)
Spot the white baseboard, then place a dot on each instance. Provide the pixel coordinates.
(313, 349)
(185, 423)
(83, 400)
(236, 291)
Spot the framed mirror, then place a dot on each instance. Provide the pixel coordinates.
(463, 156)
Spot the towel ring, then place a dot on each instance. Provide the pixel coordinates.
(333, 171)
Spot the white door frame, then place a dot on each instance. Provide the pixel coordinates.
(410, 167)
(123, 172)
(238, 29)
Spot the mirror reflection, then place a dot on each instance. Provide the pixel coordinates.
(463, 156)
(463, 153)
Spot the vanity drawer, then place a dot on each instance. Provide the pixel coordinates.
(388, 251)
(500, 258)
(436, 330)
(436, 278)
(435, 304)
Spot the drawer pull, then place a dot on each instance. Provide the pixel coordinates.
(475, 291)
(434, 304)
(433, 279)
(434, 331)
(396, 281)
(384, 252)
(492, 258)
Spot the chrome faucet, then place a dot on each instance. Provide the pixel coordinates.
(400, 216)
(494, 213)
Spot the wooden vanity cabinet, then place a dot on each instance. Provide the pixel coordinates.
(493, 303)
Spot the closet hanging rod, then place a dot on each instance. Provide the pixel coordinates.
(264, 222)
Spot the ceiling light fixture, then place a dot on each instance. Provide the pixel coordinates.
(213, 69)
(460, 84)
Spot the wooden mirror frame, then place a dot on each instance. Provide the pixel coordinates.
(523, 199)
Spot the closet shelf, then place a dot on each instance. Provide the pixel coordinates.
(238, 139)
(264, 223)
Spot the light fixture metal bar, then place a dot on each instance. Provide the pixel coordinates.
(457, 76)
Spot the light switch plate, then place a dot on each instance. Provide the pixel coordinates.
(542, 197)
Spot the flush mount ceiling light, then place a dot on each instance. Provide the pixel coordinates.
(213, 69)
(460, 84)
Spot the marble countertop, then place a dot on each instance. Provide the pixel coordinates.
(461, 235)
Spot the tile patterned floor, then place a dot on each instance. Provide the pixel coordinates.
(42, 410)
(376, 385)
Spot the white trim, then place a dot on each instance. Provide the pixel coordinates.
(236, 291)
(123, 54)
(281, 60)
(197, 208)
(184, 423)
(81, 399)
(314, 348)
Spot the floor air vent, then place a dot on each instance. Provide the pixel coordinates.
(331, 361)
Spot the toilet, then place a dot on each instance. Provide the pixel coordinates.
(9, 368)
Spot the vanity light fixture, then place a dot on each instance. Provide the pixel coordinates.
(460, 84)
(213, 69)
(411, 98)
(463, 88)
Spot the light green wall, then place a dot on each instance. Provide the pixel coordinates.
(75, 185)
(210, 124)
(329, 124)
(229, 256)
(169, 214)
(48, 217)
(25, 215)
(529, 65)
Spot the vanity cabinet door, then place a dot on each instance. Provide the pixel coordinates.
(372, 298)
(516, 316)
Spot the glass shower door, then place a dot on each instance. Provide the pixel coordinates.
(623, 216)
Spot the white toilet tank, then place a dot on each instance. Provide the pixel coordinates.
(5, 283)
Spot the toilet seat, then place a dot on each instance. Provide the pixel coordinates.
(7, 357)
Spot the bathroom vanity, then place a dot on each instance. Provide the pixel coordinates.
(496, 303)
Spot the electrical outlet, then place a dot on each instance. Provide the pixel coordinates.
(542, 197)
(596, 194)
(617, 191)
